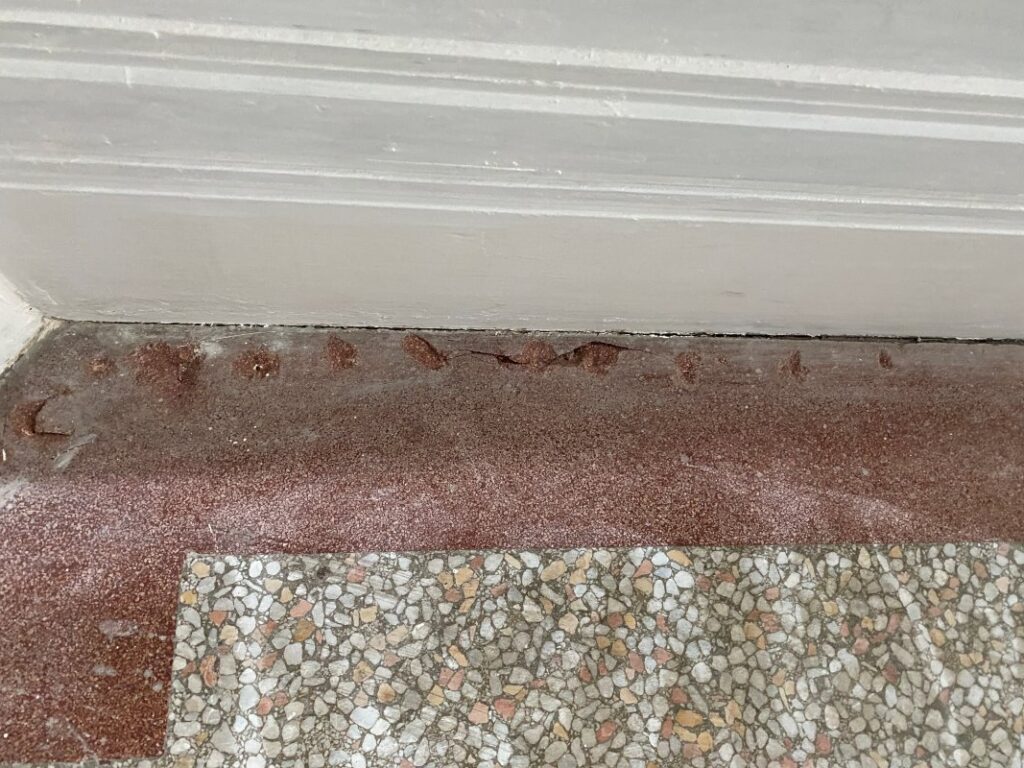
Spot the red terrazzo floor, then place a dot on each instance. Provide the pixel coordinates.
(313, 441)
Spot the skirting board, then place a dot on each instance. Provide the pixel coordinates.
(230, 261)
(389, 166)
(19, 324)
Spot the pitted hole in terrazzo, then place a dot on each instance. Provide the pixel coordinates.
(340, 354)
(260, 363)
(671, 656)
(24, 420)
(594, 357)
(171, 370)
(536, 355)
(423, 352)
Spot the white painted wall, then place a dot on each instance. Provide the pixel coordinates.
(782, 166)
(19, 324)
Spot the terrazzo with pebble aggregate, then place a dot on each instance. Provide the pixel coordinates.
(894, 656)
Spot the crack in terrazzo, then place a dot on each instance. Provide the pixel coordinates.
(752, 656)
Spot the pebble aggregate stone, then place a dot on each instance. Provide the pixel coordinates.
(849, 656)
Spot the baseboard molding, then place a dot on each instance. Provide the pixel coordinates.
(387, 177)
(19, 325)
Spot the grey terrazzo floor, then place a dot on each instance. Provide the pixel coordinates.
(879, 656)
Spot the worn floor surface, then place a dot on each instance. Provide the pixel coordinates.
(124, 448)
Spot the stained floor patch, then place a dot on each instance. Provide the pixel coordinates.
(647, 656)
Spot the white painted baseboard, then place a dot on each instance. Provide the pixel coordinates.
(19, 324)
(817, 168)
